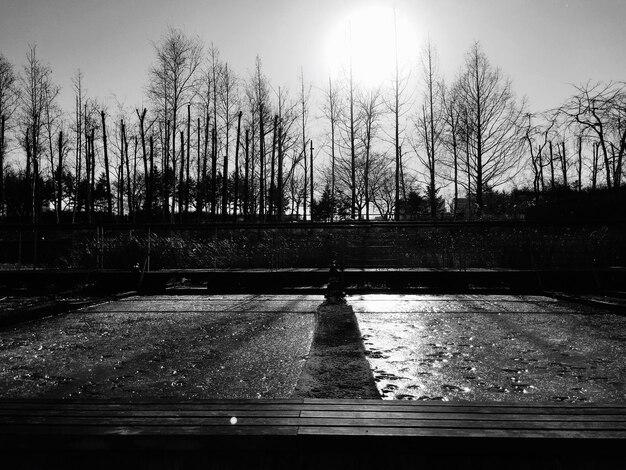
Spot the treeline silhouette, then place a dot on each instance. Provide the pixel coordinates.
(216, 146)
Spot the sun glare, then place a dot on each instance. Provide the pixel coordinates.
(367, 38)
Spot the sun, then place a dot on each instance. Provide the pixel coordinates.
(366, 39)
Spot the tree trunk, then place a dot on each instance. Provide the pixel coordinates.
(213, 172)
(456, 174)
(107, 169)
(131, 213)
(88, 175)
(607, 166)
(174, 175)
(165, 169)
(580, 163)
(187, 178)
(181, 176)
(142, 133)
(564, 164)
(150, 194)
(551, 167)
(135, 205)
(205, 156)
(236, 195)
(199, 172)
(261, 164)
(594, 166)
(225, 184)
(2, 126)
(352, 152)
(246, 200)
(120, 183)
(279, 198)
(273, 168)
(311, 170)
(93, 170)
(59, 178)
(78, 160)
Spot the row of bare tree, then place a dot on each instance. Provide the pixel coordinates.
(212, 144)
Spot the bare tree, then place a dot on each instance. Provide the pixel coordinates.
(600, 111)
(495, 123)
(304, 111)
(228, 106)
(370, 111)
(288, 139)
(260, 114)
(38, 94)
(429, 125)
(106, 166)
(398, 105)
(9, 100)
(172, 79)
(451, 138)
(331, 111)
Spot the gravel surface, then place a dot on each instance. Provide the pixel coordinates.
(492, 348)
(178, 347)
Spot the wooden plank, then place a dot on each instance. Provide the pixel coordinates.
(587, 411)
(495, 417)
(160, 430)
(141, 413)
(7, 423)
(172, 421)
(326, 417)
(318, 414)
(464, 424)
(452, 404)
(315, 406)
(462, 433)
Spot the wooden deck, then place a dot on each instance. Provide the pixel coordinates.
(308, 433)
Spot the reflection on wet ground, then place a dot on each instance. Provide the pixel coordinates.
(492, 348)
(184, 347)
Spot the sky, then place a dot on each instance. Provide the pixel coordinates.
(542, 45)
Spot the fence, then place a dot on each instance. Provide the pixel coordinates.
(519, 245)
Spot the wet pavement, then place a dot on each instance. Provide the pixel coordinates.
(424, 347)
(508, 348)
(178, 347)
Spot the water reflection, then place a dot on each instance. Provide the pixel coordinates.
(492, 348)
